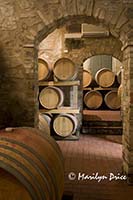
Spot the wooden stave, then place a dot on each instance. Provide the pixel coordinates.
(13, 161)
(91, 92)
(44, 123)
(97, 77)
(57, 77)
(45, 77)
(89, 82)
(5, 137)
(73, 120)
(16, 187)
(27, 156)
(106, 100)
(59, 93)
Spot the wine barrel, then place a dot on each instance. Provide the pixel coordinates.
(11, 188)
(105, 77)
(119, 77)
(112, 100)
(93, 99)
(87, 78)
(43, 70)
(51, 97)
(44, 123)
(33, 159)
(65, 124)
(65, 70)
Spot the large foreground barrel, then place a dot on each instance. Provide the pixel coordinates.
(112, 100)
(11, 188)
(93, 99)
(35, 161)
(65, 124)
(65, 69)
(51, 97)
(87, 78)
(105, 77)
(43, 70)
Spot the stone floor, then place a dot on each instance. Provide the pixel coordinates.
(98, 157)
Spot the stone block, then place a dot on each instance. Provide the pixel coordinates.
(128, 156)
(7, 18)
(102, 14)
(126, 168)
(25, 4)
(128, 139)
(69, 7)
(84, 7)
(43, 18)
(97, 12)
(122, 20)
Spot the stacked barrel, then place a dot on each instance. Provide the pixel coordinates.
(101, 91)
(56, 97)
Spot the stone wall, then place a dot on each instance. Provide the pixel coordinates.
(127, 101)
(25, 23)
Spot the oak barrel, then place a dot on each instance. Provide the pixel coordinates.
(43, 70)
(11, 188)
(93, 99)
(65, 124)
(44, 123)
(35, 160)
(112, 100)
(105, 77)
(51, 97)
(87, 78)
(65, 70)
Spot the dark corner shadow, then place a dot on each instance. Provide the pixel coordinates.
(5, 115)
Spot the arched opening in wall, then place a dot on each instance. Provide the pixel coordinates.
(60, 55)
(51, 49)
(102, 80)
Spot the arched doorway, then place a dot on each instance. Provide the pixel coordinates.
(91, 12)
(115, 43)
(102, 77)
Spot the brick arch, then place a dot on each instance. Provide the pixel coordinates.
(56, 13)
(38, 36)
(96, 16)
(114, 41)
